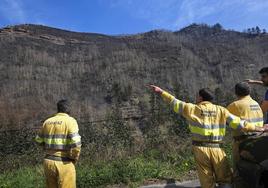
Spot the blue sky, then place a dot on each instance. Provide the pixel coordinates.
(134, 16)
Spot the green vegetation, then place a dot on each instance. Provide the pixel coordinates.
(132, 171)
(28, 177)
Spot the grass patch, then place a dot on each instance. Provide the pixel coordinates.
(24, 177)
(132, 171)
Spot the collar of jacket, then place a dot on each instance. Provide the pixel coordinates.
(245, 97)
(204, 102)
(61, 114)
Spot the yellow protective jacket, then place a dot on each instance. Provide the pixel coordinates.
(207, 122)
(247, 109)
(59, 136)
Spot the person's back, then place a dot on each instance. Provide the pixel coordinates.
(61, 132)
(247, 109)
(207, 121)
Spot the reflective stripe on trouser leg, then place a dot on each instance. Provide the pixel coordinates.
(212, 166)
(60, 174)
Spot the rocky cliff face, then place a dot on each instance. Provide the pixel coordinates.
(40, 65)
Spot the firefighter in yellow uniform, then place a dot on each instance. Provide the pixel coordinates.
(247, 109)
(62, 143)
(207, 123)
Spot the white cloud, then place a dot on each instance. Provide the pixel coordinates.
(220, 11)
(13, 11)
(194, 11)
(175, 14)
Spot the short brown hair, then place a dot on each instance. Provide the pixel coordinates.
(206, 94)
(242, 89)
(63, 106)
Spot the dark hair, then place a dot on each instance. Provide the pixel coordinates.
(242, 89)
(264, 70)
(63, 106)
(206, 94)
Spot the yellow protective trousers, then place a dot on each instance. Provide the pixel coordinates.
(59, 174)
(212, 166)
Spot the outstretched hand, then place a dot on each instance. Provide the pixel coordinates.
(262, 129)
(249, 81)
(156, 89)
(259, 129)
